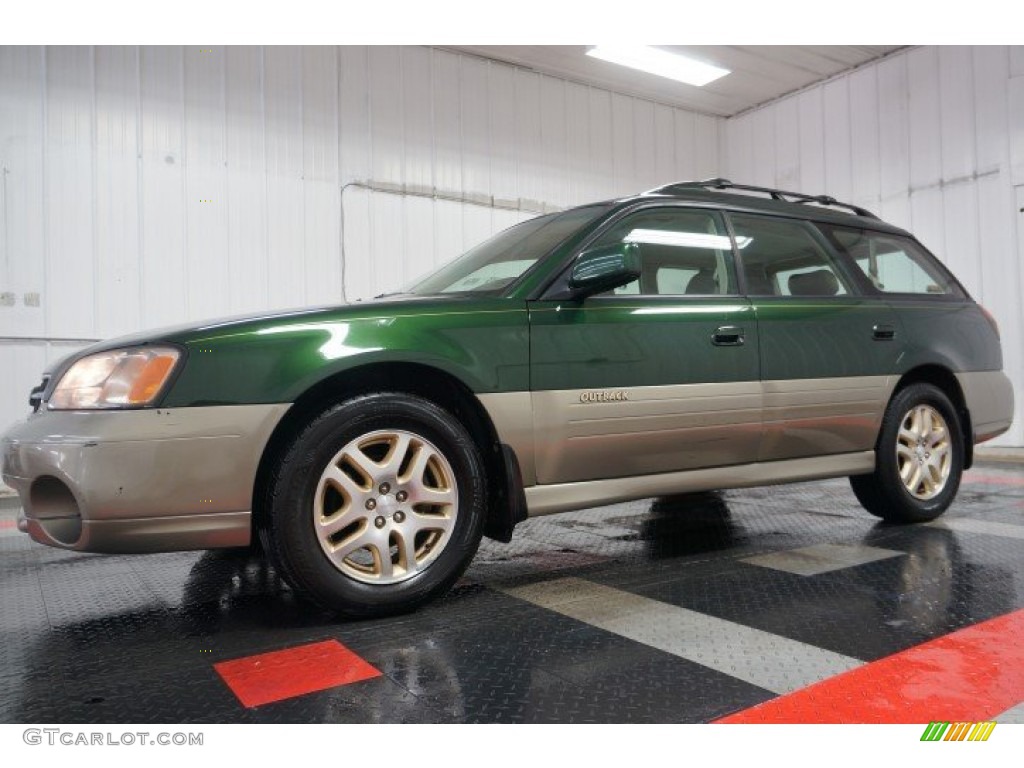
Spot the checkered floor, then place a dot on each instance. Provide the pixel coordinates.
(690, 609)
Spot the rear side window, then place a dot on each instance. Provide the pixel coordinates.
(783, 257)
(892, 263)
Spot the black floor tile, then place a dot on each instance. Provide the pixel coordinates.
(87, 638)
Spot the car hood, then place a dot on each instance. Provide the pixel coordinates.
(397, 304)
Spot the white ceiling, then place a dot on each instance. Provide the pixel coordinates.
(759, 72)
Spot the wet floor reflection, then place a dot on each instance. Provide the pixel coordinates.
(140, 644)
(689, 524)
(936, 587)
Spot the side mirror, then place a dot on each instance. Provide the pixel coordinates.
(603, 268)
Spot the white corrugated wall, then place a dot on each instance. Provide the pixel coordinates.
(146, 186)
(931, 139)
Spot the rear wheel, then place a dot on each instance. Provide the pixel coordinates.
(378, 505)
(919, 458)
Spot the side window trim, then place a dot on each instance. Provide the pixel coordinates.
(737, 257)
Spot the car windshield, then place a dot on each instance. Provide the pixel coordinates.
(498, 261)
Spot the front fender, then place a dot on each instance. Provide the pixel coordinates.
(276, 362)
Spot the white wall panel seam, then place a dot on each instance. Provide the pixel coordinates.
(302, 173)
(5, 268)
(139, 170)
(228, 170)
(906, 98)
(185, 162)
(636, 140)
(878, 137)
(266, 175)
(461, 74)
(1017, 215)
(433, 151)
(340, 253)
(799, 143)
(371, 148)
(47, 239)
(942, 138)
(849, 120)
(94, 184)
(878, 141)
(975, 192)
(404, 161)
(566, 164)
(824, 143)
(675, 147)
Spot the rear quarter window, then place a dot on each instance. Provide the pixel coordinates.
(894, 264)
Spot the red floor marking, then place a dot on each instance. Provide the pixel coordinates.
(8, 523)
(278, 675)
(971, 477)
(972, 674)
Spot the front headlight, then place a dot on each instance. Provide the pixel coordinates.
(119, 378)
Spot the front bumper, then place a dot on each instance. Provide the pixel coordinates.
(151, 480)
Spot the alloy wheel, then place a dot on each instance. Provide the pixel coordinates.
(385, 506)
(924, 453)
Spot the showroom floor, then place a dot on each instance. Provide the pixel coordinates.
(685, 610)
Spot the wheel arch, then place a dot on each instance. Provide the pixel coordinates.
(944, 378)
(431, 383)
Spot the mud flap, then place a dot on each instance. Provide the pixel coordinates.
(508, 506)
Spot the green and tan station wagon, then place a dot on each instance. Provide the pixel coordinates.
(703, 335)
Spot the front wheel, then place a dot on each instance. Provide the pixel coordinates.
(378, 505)
(918, 460)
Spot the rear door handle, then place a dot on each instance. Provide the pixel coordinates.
(727, 336)
(883, 332)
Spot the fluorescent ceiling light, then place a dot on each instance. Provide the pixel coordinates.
(685, 239)
(659, 62)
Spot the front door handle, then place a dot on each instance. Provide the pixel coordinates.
(727, 336)
(883, 332)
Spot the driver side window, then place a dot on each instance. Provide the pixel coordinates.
(683, 251)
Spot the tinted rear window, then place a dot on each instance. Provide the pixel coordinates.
(892, 263)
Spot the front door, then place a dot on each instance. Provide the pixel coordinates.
(658, 376)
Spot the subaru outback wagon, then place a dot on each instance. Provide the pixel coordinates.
(703, 335)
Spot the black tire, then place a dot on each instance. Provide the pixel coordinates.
(883, 493)
(293, 543)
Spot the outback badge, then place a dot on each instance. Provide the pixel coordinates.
(605, 396)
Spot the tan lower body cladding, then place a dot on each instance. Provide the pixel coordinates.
(561, 497)
(571, 436)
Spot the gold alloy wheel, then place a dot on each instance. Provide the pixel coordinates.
(924, 454)
(385, 506)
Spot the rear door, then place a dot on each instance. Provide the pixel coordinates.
(827, 352)
(657, 376)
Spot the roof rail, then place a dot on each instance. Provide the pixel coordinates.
(775, 194)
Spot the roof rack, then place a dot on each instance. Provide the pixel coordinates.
(775, 194)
